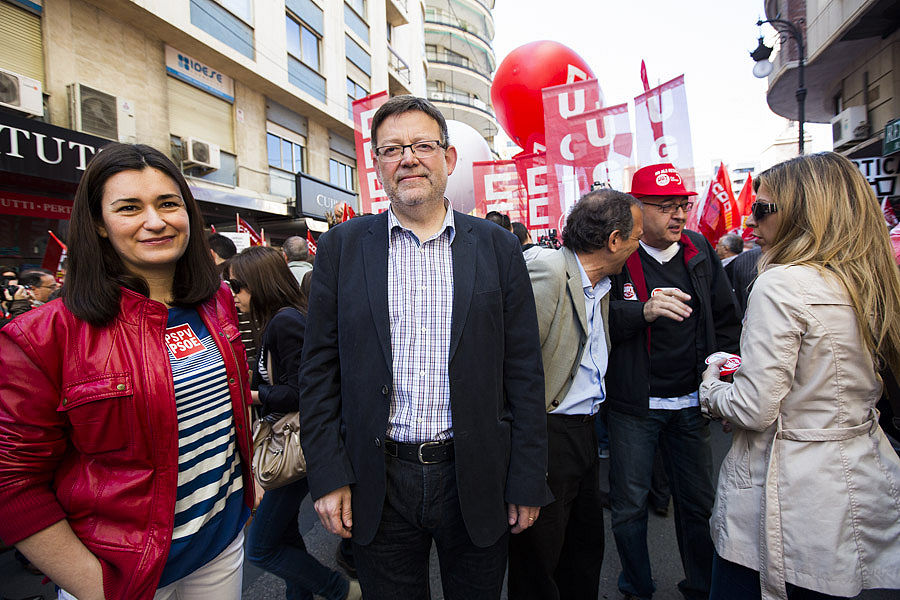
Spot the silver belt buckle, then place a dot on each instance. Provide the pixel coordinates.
(422, 459)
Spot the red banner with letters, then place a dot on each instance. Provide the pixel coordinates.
(663, 130)
(592, 147)
(497, 187)
(37, 207)
(372, 198)
(566, 142)
(532, 170)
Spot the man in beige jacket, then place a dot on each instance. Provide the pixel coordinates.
(561, 554)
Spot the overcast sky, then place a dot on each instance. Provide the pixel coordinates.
(707, 40)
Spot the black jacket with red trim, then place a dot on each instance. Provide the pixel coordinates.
(628, 373)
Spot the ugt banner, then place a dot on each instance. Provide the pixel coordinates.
(497, 187)
(594, 146)
(663, 130)
(372, 198)
(561, 104)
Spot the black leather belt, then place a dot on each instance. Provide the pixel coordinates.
(426, 453)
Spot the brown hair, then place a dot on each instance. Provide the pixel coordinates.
(95, 272)
(271, 284)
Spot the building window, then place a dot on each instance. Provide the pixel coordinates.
(303, 43)
(284, 154)
(342, 175)
(226, 174)
(359, 6)
(356, 23)
(354, 92)
(223, 25)
(357, 55)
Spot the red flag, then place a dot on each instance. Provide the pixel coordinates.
(644, 79)
(212, 228)
(244, 227)
(347, 212)
(720, 211)
(54, 255)
(746, 198)
(372, 198)
(310, 242)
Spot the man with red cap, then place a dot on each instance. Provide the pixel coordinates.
(670, 308)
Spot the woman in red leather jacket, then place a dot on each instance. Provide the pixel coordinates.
(124, 441)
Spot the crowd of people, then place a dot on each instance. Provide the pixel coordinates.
(457, 386)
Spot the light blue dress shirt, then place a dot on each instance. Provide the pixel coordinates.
(588, 390)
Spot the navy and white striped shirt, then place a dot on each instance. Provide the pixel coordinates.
(209, 507)
(420, 303)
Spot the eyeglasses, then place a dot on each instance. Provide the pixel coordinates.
(670, 208)
(761, 209)
(394, 153)
(235, 285)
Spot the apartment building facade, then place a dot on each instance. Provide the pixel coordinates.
(853, 80)
(461, 61)
(248, 96)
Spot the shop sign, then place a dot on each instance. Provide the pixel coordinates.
(316, 197)
(37, 207)
(30, 147)
(198, 74)
(892, 138)
(882, 173)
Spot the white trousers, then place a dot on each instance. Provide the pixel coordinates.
(221, 578)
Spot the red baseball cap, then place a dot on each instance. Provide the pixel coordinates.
(658, 180)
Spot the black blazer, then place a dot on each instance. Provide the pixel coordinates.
(496, 376)
(283, 337)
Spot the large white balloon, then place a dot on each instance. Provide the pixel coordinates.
(471, 147)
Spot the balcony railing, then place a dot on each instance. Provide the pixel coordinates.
(398, 65)
(442, 19)
(460, 98)
(448, 58)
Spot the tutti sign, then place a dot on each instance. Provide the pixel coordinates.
(30, 147)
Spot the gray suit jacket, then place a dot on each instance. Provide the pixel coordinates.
(559, 298)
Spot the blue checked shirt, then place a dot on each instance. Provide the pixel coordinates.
(420, 303)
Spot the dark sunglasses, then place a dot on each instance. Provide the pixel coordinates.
(761, 209)
(235, 285)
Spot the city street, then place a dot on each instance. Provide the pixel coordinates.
(15, 583)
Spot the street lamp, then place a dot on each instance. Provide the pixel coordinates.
(763, 67)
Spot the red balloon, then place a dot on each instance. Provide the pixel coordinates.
(516, 90)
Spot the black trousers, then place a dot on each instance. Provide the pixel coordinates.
(559, 557)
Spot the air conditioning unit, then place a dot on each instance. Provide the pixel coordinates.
(199, 153)
(101, 114)
(436, 96)
(21, 93)
(849, 126)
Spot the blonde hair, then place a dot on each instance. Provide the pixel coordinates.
(831, 220)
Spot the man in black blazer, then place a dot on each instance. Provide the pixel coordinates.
(422, 387)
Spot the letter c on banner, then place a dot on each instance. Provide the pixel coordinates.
(666, 147)
(565, 147)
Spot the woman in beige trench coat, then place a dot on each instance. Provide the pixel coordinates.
(808, 500)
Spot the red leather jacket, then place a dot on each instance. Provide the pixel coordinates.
(88, 431)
